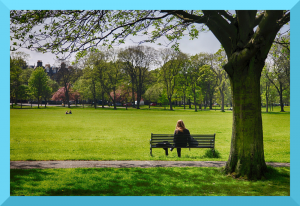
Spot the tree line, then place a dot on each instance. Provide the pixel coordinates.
(165, 76)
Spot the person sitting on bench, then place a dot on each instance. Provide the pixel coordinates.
(180, 136)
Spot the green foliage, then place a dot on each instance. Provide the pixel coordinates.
(38, 84)
(17, 64)
(212, 154)
(154, 93)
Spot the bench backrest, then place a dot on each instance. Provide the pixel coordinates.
(198, 140)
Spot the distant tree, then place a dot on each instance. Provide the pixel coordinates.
(81, 88)
(193, 73)
(66, 75)
(172, 62)
(90, 81)
(114, 78)
(38, 83)
(153, 93)
(217, 62)
(137, 61)
(279, 70)
(47, 93)
(25, 75)
(183, 82)
(24, 93)
(17, 64)
(123, 94)
(163, 99)
(97, 59)
(60, 94)
(208, 83)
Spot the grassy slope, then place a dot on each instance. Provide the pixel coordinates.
(106, 134)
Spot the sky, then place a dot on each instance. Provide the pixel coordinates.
(206, 42)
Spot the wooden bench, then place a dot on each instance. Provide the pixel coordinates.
(167, 141)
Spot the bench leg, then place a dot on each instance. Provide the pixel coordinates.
(151, 151)
(166, 151)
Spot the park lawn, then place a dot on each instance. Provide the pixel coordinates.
(174, 181)
(107, 134)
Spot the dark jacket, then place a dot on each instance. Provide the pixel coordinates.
(181, 138)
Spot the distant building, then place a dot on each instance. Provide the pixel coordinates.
(39, 63)
(51, 71)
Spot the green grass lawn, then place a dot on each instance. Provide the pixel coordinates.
(188, 181)
(107, 134)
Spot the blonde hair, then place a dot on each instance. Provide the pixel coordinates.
(180, 126)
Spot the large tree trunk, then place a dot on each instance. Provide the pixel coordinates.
(247, 151)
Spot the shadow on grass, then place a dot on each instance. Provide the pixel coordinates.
(188, 181)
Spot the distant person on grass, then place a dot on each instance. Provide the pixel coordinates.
(67, 112)
(70, 112)
(180, 137)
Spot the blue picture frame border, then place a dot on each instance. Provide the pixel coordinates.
(7, 5)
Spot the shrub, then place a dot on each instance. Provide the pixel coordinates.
(210, 154)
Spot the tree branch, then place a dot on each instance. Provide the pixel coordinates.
(285, 19)
(226, 15)
(258, 19)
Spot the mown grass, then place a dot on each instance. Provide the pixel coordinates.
(107, 134)
(188, 181)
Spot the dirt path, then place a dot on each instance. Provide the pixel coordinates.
(120, 164)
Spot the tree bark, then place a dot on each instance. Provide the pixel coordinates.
(247, 151)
